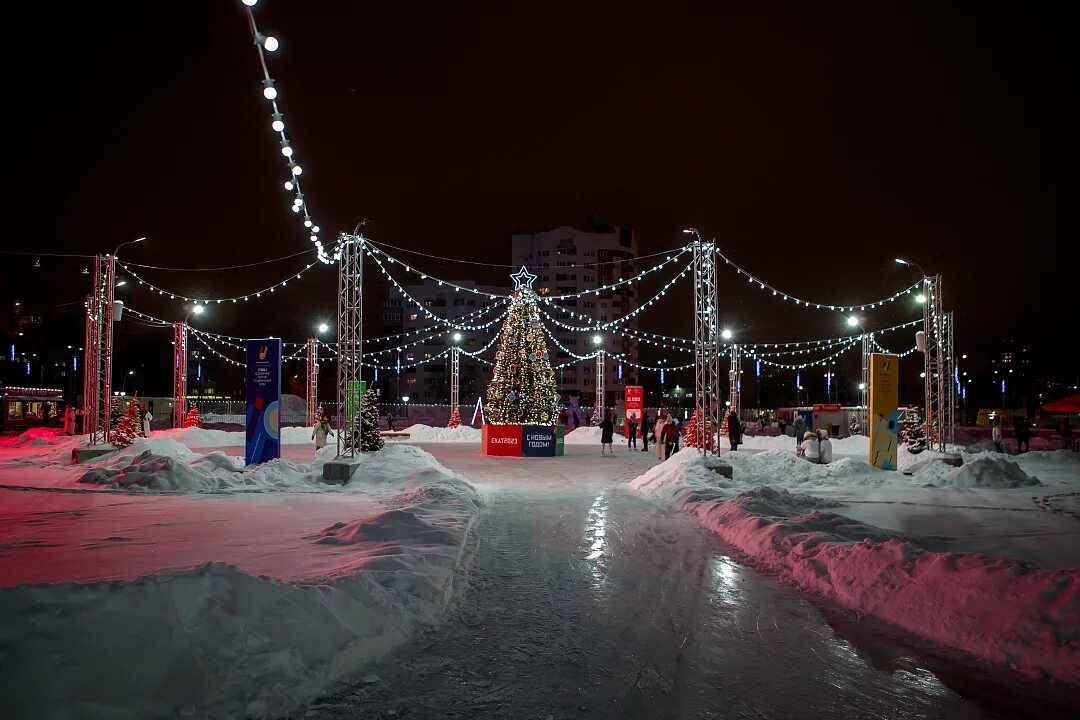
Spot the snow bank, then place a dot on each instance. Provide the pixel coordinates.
(993, 608)
(987, 472)
(195, 437)
(427, 433)
(587, 435)
(36, 436)
(217, 642)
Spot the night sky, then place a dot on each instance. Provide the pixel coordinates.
(814, 144)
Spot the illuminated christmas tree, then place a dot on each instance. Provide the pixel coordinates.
(522, 390)
(455, 419)
(690, 432)
(193, 419)
(128, 427)
(370, 438)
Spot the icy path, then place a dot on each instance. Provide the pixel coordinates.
(589, 601)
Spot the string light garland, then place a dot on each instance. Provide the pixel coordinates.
(202, 341)
(281, 284)
(620, 320)
(225, 267)
(762, 285)
(620, 261)
(803, 366)
(264, 44)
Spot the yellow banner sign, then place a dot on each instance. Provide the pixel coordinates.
(884, 397)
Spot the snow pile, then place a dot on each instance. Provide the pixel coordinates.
(35, 436)
(427, 433)
(993, 608)
(587, 435)
(987, 472)
(196, 437)
(214, 641)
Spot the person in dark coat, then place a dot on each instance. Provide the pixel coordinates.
(800, 429)
(1022, 431)
(783, 426)
(734, 430)
(646, 428)
(607, 434)
(631, 433)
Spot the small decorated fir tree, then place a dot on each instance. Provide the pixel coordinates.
(370, 438)
(854, 426)
(193, 419)
(690, 432)
(455, 419)
(522, 390)
(128, 427)
(913, 435)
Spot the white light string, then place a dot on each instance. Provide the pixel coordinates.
(803, 366)
(881, 349)
(586, 265)
(762, 285)
(597, 291)
(265, 44)
(438, 318)
(202, 341)
(209, 301)
(562, 347)
(408, 333)
(618, 321)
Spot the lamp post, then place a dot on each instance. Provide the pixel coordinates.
(180, 358)
(405, 399)
(312, 384)
(455, 377)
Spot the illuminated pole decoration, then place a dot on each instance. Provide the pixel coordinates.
(734, 379)
(180, 368)
(350, 339)
(313, 380)
(706, 346)
(455, 382)
(522, 390)
(601, 388)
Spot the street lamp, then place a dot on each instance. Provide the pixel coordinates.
(197, 310)
(726, 334)
(405, 399)
(853, 321)
(323, 327)
(909, 263)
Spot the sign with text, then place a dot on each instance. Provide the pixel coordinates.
(538, 441)
(884, 396)
(826, 407)
(635, 404)
(504, 440)
(263, 400)
(354, 398)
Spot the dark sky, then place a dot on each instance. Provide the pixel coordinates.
(814, 143)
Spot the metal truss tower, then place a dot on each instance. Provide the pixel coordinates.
(97, 362)
(864, 384)
(735, 380)
(312, 381)
(706, 344)
(937, 366)
(601, 389)
(350, 342)
(180, 358)
(455, 380)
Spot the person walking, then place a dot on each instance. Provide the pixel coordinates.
(1022, 431)
(607, 433)
(69, 421)
(734, 430)
(678, 433)
(658, 432)
(800, 428)
(996, 436)
(646, 427)
(321, 431)
(671, 434)
(390, 422)
(782, 425)
(631, 433)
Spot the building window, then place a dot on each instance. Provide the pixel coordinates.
(413, 316)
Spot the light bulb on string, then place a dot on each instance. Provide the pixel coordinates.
(289, 185)
(269, 91)
(296, 170)
(307, 223)
(270, 43)
(286, 150)
(250, 3)
(278, 125)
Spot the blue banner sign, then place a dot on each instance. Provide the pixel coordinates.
(263, 399)
(538, 441)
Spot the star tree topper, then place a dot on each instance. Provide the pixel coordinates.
(523, 279)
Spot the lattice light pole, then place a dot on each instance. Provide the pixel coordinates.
(734, 379)
(706, 342)
(864, 384)
(350, 341)
(180, 358)
(937, 365)
(97, 362)
(455, 376)
(601, 387)
(312, 381)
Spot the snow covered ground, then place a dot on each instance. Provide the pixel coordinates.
(984, 558)
(161, 582)
(421, 433)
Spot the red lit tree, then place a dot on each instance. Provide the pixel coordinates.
(193, 419)
(690, 433)
(128, 427)
(455, 419)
